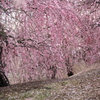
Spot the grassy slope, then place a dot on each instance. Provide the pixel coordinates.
(83, 86)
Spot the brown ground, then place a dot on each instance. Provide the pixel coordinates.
(82, 86)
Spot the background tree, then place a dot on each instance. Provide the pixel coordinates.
(46, 38)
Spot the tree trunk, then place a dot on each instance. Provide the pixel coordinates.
(3, 79)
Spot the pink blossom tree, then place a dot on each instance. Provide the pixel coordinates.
(45, 38)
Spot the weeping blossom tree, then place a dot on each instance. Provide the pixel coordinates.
(45, 38)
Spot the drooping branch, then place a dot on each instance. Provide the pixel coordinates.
(43, 34)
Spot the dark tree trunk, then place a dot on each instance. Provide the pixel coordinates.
(69, 68)
(3, 79)
(70, 73)
(54, 70)
(53, 73)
